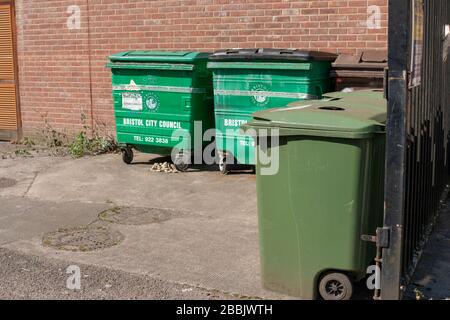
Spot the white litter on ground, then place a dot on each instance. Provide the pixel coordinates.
(166, 167)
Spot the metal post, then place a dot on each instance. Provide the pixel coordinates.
(399, 35)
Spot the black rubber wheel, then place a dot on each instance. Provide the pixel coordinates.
(127, 155)
(335, 286)
(223, 165)
(180, 162)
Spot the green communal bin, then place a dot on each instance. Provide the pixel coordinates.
(158, 96)
(250, 80)
(325, 193)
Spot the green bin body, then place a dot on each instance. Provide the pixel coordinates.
(327, 192)
(157, 98)
(250, 80)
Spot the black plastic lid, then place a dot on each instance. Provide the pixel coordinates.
(271, 55)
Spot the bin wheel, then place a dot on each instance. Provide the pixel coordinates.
(335, 286)
(223, 165)
(180, 163)
(127, 155)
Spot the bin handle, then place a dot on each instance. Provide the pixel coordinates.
(383, 126)
(187, 103)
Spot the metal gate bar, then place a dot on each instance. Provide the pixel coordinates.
(418, 132)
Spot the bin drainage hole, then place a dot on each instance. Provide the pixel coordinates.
(332, 108)
(137, 216)
(82, 239)
(7, 183)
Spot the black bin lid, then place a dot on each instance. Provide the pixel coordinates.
(271, 55)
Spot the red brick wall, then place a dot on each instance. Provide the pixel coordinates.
(54, 64)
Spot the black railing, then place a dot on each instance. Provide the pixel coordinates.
(418, 132)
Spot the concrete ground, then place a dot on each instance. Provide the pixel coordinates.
(431, 279)
(207, 249)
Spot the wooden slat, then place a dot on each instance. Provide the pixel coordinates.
(8, 111)
(8, 103)
(6, 44)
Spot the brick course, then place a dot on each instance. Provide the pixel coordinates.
(62, 74)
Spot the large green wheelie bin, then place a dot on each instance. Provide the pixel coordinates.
(322, 194)
(158, 95)
(250, 80)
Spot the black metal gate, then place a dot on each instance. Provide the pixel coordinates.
(418, 132)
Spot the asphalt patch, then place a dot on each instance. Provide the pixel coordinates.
(138, 216)
(82, 239)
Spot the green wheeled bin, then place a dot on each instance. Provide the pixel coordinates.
(323, 193)
(158, 97)
(250, 80)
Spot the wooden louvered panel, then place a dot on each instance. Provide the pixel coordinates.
(6, 44)
(9, 117)
(8, 111)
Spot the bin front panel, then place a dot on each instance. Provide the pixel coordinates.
(152, 105)
(313, 211)
(240, 92)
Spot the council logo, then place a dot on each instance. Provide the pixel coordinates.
(152, 102)
(259, 97)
